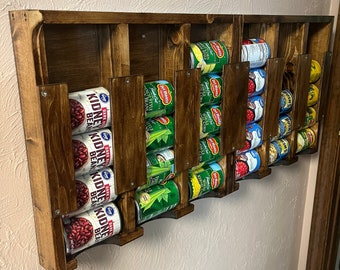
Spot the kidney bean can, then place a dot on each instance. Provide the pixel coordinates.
(90, 110)
(254, 109)
(256, 81)
(91, 227)
(205, 179)
(209, 56)
(211, 89)
(310, 117)
(278, 150)
(155, 200)
(159, 167)
(253, 137)
(94, 190)
(286, 101)
(160, 133)
(247, 163)
(256, 51)
(158, 98)
(306, 138)
(92, 151)
(210, 120)
(313, 95)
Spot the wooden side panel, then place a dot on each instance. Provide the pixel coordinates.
(128, 128)
(324, 85)
(234, 106)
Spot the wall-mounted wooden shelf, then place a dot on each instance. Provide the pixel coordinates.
(58, 52)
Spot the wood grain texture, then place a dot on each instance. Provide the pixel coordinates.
(234, 106)
(128, 128)
(187, 119)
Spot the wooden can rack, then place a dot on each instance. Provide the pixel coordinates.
(58, 52)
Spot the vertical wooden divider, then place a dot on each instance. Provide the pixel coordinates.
(270, 120)
(324, 85)
(299, 109)
(234, 108)
(56, 119)
(187, 130)
(129, 149)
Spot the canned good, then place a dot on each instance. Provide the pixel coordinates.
(247, 163)
(278, 150)
(90, 110)
(315, 71)
(306, 138)
(92, 151)
(209, 150)
(93, 190)
(159, 167)
(310, 117)
(255, 109)
(209, 56)
(204, 180)
(155, 200)
(313, 95)
(256, 81)
(286, 101)
(284, 127)
(211, 89)
(158, 98)
(256, 51)
(160, 133)
(91, 227)
(210, 120)
(253, 137)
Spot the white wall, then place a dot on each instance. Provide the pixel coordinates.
(258, 227)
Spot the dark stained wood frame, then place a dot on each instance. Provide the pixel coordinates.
(325, 227)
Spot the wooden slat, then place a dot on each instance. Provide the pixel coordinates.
(128, 128)
(187, 119)
(120, 50)
(272, 95)
(234, 106)
(324, 85)
(301, 90)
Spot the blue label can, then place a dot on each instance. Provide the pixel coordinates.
(278, 150)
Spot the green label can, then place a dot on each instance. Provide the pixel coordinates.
(160, 133)
(155, 200)
(310, 119)
(313, 95)
(159, 167)
(158, 98)
(205, 179)
(209, 56)
(306, 138)
(209, 150)
(210, 120)
(211, 89)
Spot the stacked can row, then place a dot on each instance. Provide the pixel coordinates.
(208, 175)
(97, 217)
(248, 160)
(306, 137)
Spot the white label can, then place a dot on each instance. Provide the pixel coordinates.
(92, 151)
(91, 227)
(90, 110)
